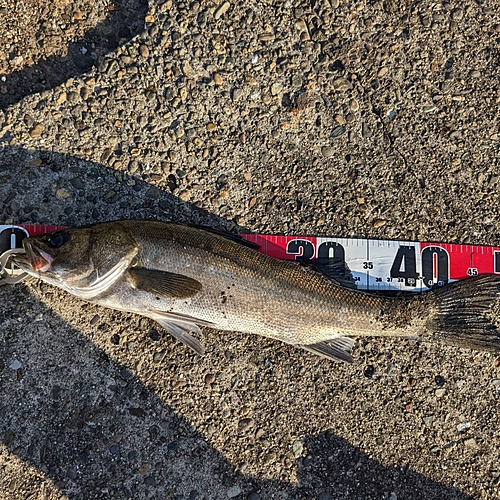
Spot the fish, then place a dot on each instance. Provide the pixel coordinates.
(186, 277)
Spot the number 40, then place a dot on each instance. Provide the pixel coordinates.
(434, 266)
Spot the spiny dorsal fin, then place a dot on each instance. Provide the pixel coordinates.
(163, 283)
(229, 236)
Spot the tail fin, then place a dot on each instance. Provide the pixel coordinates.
(468, 313)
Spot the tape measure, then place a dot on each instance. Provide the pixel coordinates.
(380, 265)
(387, 265)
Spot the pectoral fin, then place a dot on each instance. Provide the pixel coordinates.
(337, 349)
(163, 283)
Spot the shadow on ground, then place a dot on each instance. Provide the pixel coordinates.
(84, 411)
(124, 22)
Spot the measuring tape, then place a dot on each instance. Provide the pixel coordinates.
(387, 265)
(380, 265)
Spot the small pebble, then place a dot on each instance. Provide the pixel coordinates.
(324, 495)
(237, 94)
(342, 84)
(221, 10)
(15, 365)
(301, 25)
(440, 393)
(327, 151)
(338, 131)
(62, 194)
(382, 72)
(266, 37)
(463, 426)
(297, 448)
(37, 130)
(297, 81)
(470, 443)
(149, 481)
(379, 222)
(276, 88)
(245, 423)
(234, 491)
(428, 420)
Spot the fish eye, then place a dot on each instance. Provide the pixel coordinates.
(57, 240)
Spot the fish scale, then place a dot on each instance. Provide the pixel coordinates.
(273, 298)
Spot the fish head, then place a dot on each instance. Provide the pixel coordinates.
(78, 258)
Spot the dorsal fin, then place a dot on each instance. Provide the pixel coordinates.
(229, 236)
(332, 269)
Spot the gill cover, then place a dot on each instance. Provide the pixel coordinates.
(81, 258)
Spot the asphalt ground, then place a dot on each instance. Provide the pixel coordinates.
(370, 119)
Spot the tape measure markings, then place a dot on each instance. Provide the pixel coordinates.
(383, 265)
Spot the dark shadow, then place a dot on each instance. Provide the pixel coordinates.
(347, 472)
(100, 425)
(98, 431)
(125, 21)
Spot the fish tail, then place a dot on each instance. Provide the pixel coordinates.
(466, 313)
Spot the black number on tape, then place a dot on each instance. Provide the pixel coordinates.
(405, 265)
(497, 262)
(435, 266)
(12, 237)
(302, 249)
(332, 250)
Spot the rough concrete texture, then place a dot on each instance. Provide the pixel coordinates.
(373, 119)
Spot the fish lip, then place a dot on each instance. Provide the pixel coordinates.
(38, 259)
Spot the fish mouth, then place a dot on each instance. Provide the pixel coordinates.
(36, 258)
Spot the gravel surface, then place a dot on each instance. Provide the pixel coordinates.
(371, 119)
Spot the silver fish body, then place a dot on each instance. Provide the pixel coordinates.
(185, 277)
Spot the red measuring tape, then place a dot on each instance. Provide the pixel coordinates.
(384, 265)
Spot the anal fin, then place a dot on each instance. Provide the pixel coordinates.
(337, 349)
